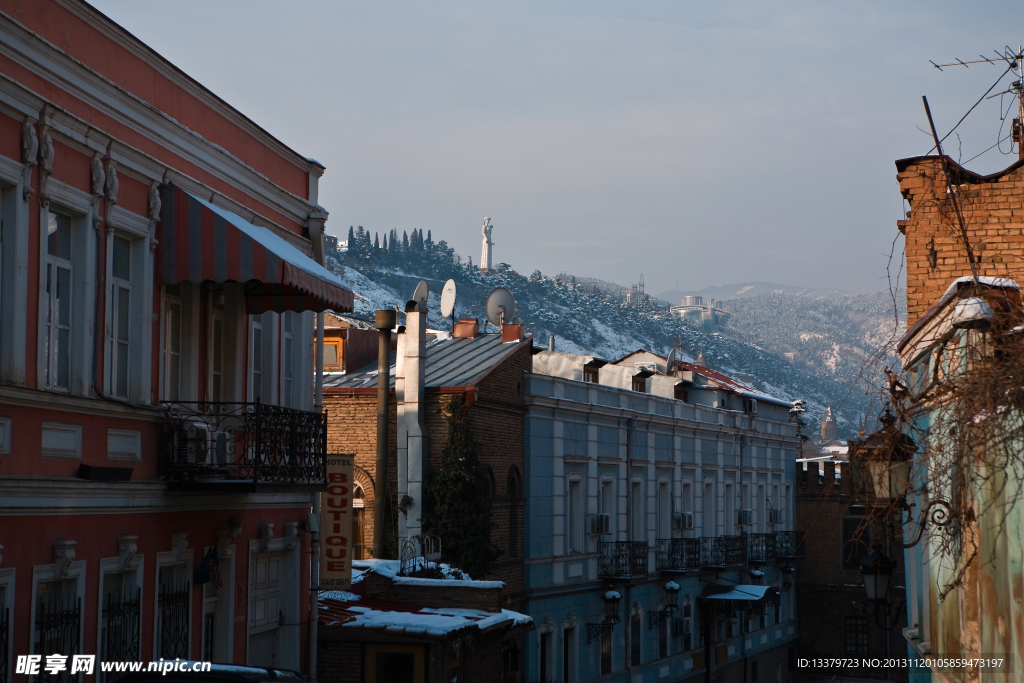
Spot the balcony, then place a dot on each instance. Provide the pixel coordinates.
(787, 545)
(718, 552)
(243, 447)
(678, 555)
(762, 548)
(622, 560)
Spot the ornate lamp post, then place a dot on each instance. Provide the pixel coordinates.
(609, 618)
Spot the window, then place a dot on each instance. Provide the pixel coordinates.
(333, 355)
(606, 652)
(689, 624)
(216, 389)
(664, 510)
(568, 655)
(120, 314)
(386, 663)
(57, 364)
(709, 510)
(730, 510)
(256, 359)
(545, 653)
(856, 542)
(634, 638)
(590, 374)
(640, 383)
(287, 359)
(574, 516)
(358, 522)
(855, 636)
(172, 612)
(57, 605)
(172, 343)
(753, 672)
(120, 609)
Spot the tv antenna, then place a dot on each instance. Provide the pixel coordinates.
(670, 361)
(448, 301)
(501, 307)
(1013, 60)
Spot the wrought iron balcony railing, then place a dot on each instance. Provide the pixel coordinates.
(678, 555)
(762, 548)
(787, 544)
(251, 443)
(622, 560)
(722, 551)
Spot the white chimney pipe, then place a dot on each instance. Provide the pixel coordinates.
(412, 405)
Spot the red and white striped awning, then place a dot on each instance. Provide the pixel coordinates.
(200, 242)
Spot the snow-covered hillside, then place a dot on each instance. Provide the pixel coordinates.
(832, 337)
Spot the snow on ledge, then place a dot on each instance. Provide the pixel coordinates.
(391, 568)
(1002, 282)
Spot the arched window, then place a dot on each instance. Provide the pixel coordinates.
(358, 521)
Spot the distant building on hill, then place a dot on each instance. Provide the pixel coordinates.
(695, 312)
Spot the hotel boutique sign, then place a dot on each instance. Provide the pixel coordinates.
(336, 525)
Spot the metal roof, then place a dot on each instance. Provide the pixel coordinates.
(454, 362)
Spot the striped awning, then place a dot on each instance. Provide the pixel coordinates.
(199, 242)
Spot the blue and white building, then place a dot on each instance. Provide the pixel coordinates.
(673, 489)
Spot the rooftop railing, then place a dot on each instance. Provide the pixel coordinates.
(678, 555)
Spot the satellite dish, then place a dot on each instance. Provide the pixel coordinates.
(422, 292)
(448, 299)
(670, 362)
(501, 307)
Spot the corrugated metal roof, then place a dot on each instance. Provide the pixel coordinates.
(456, 362)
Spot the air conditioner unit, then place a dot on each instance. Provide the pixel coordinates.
(197, 435)
(750, 406)
(775, 516)
(682, 521)
(219, 447)
(746, 517)
(601, 524)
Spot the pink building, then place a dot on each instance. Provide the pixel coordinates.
(160, 442)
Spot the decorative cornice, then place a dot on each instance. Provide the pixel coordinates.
(291, 535)
(127, 552)
(266, 536)
(29, 154)
(179, 544)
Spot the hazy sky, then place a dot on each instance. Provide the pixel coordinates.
(697, 143)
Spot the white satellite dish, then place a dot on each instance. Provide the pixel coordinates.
(670, 362)
(448, 299)
(421, 292)
(501, 307)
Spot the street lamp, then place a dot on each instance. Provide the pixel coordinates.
(610, 617)
(787, 576)
(877, 572)
(671, 597)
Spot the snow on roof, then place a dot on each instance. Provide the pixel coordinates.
(393, 617)
(1002, 282)
(741, 592)
(391, 569)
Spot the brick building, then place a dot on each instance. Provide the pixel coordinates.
(993, 209)
(159, 278)
(829, 588)
(488, 374)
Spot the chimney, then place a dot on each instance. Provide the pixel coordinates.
(412, 420)
(511, 333)
(385, 322)
(551, 343)
(467, 327)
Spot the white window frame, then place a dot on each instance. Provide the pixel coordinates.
(215, 316)
(51, 326)
(120, 287)
(165, 393)
(288, 374)
(257, 360)
(170, 559)
(223, 645)
(664, 502)
(108, 566)
(609, 504)
(288, 645)
(48, 572)
(135, 229)
(14, 232)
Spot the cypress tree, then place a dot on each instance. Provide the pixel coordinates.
(351, 237)
(457, 500)
(405, 241)
(376, 243)
(384, 244)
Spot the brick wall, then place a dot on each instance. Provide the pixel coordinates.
(993, 211)
(495, 419)
(338, 661)
(826, 593)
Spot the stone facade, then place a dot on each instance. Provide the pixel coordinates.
(993, 212)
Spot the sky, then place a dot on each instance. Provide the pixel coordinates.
(695, 143)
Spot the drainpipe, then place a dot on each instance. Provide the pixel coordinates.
(319, 400)
(385, 322)
(314, 584)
